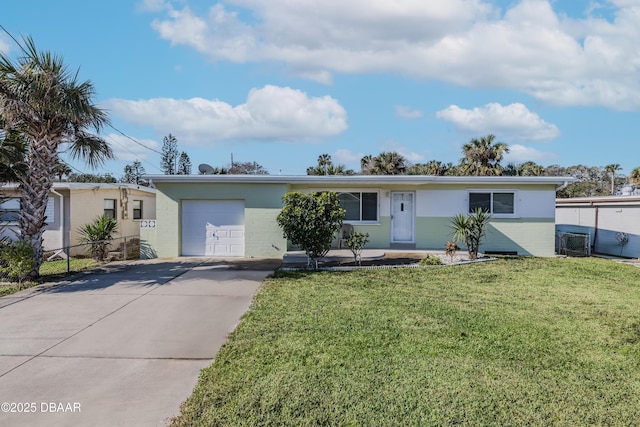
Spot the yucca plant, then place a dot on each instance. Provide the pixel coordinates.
(470, 230)
(99, 235)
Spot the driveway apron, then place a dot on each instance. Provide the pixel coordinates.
(118, 346)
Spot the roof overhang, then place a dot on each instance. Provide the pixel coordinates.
(362, 179)
(599, 201)
(86, 186)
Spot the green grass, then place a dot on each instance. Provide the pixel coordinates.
(49, 271)
(521, 341)
(54, 269)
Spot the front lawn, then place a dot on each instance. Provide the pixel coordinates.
(50, 271)
(521, 341)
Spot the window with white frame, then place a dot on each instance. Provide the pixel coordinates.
(359, 206)
(493, 202)
(137, 209)
(110, 208)
(10, 209)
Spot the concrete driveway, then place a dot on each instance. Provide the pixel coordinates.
(118, 346)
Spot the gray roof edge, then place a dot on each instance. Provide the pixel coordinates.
(87, 186)
(359, 179)
(599, 200)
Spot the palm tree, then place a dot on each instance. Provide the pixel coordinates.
(634, 177)
(326, 167)
(13, 148)
(432, 167)
(366, 164)
(390, 163)
(387, 163)
(611, 170)
(62, 169)
(47, 104)
(482, 156)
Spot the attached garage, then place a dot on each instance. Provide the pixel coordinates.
(213, 228)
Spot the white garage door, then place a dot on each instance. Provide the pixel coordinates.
(213, 228)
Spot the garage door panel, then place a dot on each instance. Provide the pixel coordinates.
(212, 228)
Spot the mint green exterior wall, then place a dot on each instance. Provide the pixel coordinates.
(263, 237)
(526, 236)
(379, 234)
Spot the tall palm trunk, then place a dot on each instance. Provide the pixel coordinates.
(45, 103)
(35, 196)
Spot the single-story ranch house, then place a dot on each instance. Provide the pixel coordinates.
(72, 205)
(235, 215)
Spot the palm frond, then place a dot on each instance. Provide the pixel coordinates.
(93, 149)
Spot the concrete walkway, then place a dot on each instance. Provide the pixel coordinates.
(119, 346)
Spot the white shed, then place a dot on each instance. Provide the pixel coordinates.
(612, 223)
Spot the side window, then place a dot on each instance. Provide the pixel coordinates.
(499, 203)
(350, 202)
(359, 206)
(110, 208)
(137, 209)
(503, 203)
(369, 206)
(10, 209)
(479, 200)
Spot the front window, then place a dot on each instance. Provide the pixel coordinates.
(498, 203)
(359, 206)
(137, 209)
(110, 208)
(10, 209)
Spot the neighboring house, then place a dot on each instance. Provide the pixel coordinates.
(235, 215)
(72, 205)
(606, 220)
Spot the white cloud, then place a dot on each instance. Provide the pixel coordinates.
(407, 112)
(154, 5)
(270, 113)
(4, 46)
(348, 157)
(513, 122)
(392, 145)
(520, 154)
(527, 46)
(124, 149)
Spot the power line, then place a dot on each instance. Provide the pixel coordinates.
(137, 142)
(144, 160)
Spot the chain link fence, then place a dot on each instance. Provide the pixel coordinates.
(72, 259)
(573, 244)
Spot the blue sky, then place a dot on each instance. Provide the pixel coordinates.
(281, 82)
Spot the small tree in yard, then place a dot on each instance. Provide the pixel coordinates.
(356, 242)
(99, 235)
(470, 230)
(311, 222)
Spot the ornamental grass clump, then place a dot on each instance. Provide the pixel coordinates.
(430, 259)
